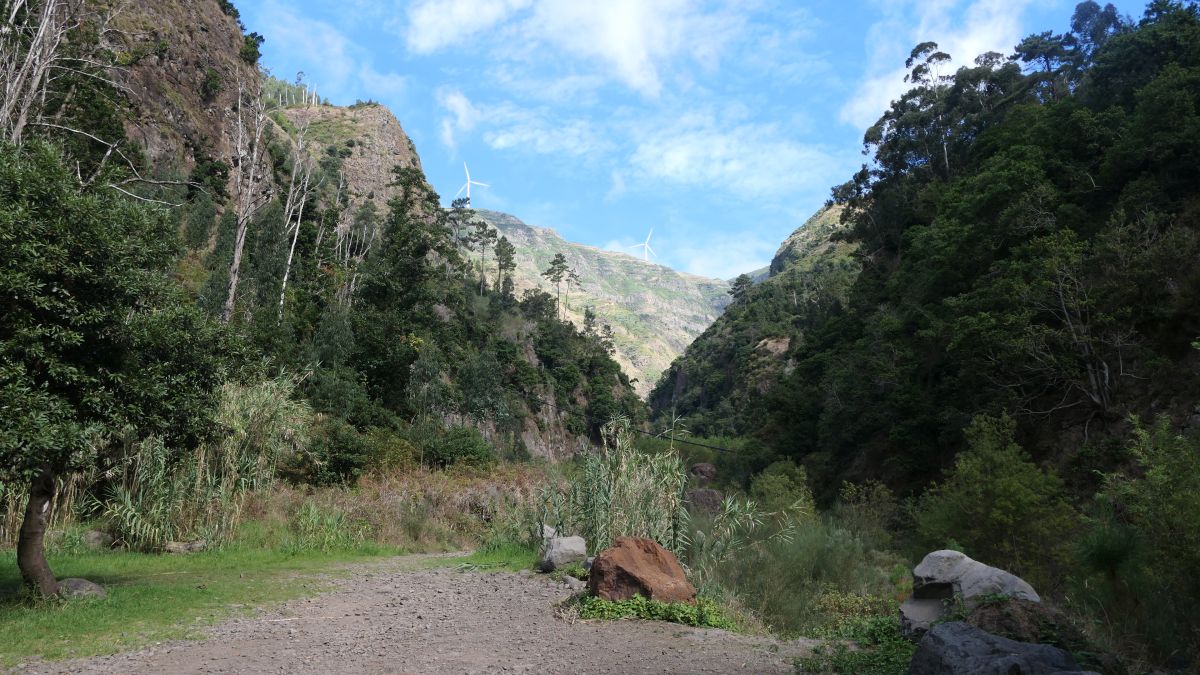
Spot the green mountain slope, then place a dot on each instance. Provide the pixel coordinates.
(655, 312)
(717, 384)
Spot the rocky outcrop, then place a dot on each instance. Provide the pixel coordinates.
(945, 575)
(962, 649)
(635, 566)
(1029, 621)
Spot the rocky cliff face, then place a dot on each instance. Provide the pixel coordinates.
(367, 137)
(182, 79)
(655, 312)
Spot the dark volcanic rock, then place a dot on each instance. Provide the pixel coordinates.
(962, 649)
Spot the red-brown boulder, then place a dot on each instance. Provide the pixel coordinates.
(634, 566)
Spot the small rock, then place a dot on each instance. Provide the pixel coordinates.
(80, 588)
(180, 547)
(703, 500)
(574, 584)
(95, 539)
(561, 551)
(703, 473)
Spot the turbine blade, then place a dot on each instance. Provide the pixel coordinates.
(467, 171)
(460, 191)
(480, 184)
(651, 251)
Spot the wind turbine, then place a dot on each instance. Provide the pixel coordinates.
(467, 185)
(645, 246)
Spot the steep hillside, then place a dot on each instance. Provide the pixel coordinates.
(655, 312)
(718, 383)
(311, 232)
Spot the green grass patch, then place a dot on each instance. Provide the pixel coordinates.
(880, 649)
(502, 557)
(153, 597)
(704, 613)
(573, 570)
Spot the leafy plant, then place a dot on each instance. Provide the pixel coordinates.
(704, 613)
(881, 650)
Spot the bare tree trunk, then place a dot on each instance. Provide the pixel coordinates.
(250, 151)
(31, 550)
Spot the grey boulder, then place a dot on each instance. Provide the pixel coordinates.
(561, 551)
(943, 575)
(80, 588)
(962, 649)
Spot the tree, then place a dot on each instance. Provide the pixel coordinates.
(485, 236)
(557, 274)
(999, 505)
(253, 185)
(506, 262)
(93, 336)
(740, 287)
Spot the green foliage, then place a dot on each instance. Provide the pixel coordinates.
(1141, 549)
(161, 496)
(620, 492)
(999, 506)
(881, 649)
(94, 336)
(315, 528)
(783, 486)
(251, 49)
(460, 445)
(212, 84)
(704, 613)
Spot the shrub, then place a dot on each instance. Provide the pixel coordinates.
(338, 453)
(869, 510)
(460, 445)
(212, 84)
(783, 486)
(999, 506)
(1142, 548)
(881, 650)
(251, 50)
(157, 499)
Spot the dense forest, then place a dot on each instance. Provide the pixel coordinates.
(1016, 346)
(1026, 242)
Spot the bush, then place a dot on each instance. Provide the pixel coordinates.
(338, 454)
(212, 84)
(460, 445)
(783, 486)
(882, 650)
(1142, 548)
(999, 506)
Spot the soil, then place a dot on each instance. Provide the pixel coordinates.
(395, 618)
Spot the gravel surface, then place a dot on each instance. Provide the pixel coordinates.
(390, 618)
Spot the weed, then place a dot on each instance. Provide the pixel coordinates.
(881, 649)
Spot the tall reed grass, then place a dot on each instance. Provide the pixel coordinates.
(159, 495)
(620, 491)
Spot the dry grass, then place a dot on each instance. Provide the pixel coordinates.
(420, 509)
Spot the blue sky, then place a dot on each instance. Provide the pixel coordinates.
(721, 124)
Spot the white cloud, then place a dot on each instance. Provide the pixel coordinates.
(964, 33)
(724, 256)
(509, 127)
(463, 115)
(629, 41)
(750, 160)
(435, 24)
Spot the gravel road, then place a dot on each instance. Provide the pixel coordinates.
(392, 618)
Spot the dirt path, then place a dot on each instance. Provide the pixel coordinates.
(391, 618)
